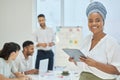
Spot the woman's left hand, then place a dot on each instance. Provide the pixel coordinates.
(89, 61)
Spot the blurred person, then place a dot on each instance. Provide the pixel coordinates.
(7, 56)
(24, 61)
(44, 41)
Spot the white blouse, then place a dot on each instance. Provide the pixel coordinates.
(106, 51)
(7, 69)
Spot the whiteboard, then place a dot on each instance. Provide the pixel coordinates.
(66, 37)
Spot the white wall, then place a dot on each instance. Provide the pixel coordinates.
(16, 20)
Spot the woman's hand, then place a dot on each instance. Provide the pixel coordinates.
(108, 68)
(89, 61)
(71, 59)
(19, 74)
(22, 78)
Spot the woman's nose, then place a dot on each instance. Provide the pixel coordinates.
(94, 23)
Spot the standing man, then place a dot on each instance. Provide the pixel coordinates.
(44, 38)
(24, 61)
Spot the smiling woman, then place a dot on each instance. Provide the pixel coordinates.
(102, 62)
(100, 43)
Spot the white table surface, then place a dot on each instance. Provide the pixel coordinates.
(56, 75)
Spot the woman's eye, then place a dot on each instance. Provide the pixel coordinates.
(90, 21)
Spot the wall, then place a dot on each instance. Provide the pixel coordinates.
(16, 20)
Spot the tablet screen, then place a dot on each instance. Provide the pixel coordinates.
(75, 53)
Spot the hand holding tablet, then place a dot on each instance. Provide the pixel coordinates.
(74, 53)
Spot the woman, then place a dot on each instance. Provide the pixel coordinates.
(102, 51)
(7, 55)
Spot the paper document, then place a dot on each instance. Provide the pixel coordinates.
(75, 53)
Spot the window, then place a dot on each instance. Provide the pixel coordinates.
(62, 12)
(51, 9)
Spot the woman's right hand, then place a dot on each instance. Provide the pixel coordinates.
(24, 78)
(71, 59)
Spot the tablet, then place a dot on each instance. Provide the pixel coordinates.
(75, 53)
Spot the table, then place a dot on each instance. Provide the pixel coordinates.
(56, 75)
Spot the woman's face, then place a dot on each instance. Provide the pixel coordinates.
(95, 23)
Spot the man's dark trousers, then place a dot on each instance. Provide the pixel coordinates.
(42, 54)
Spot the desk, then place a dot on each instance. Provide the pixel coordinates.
(55, 75)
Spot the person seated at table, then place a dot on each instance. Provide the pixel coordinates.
(7, 56)
(24, 62)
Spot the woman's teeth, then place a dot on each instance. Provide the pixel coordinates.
(94, 27)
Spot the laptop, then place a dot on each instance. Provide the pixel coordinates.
(43, 66)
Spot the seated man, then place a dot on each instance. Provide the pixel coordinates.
(24, 62)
